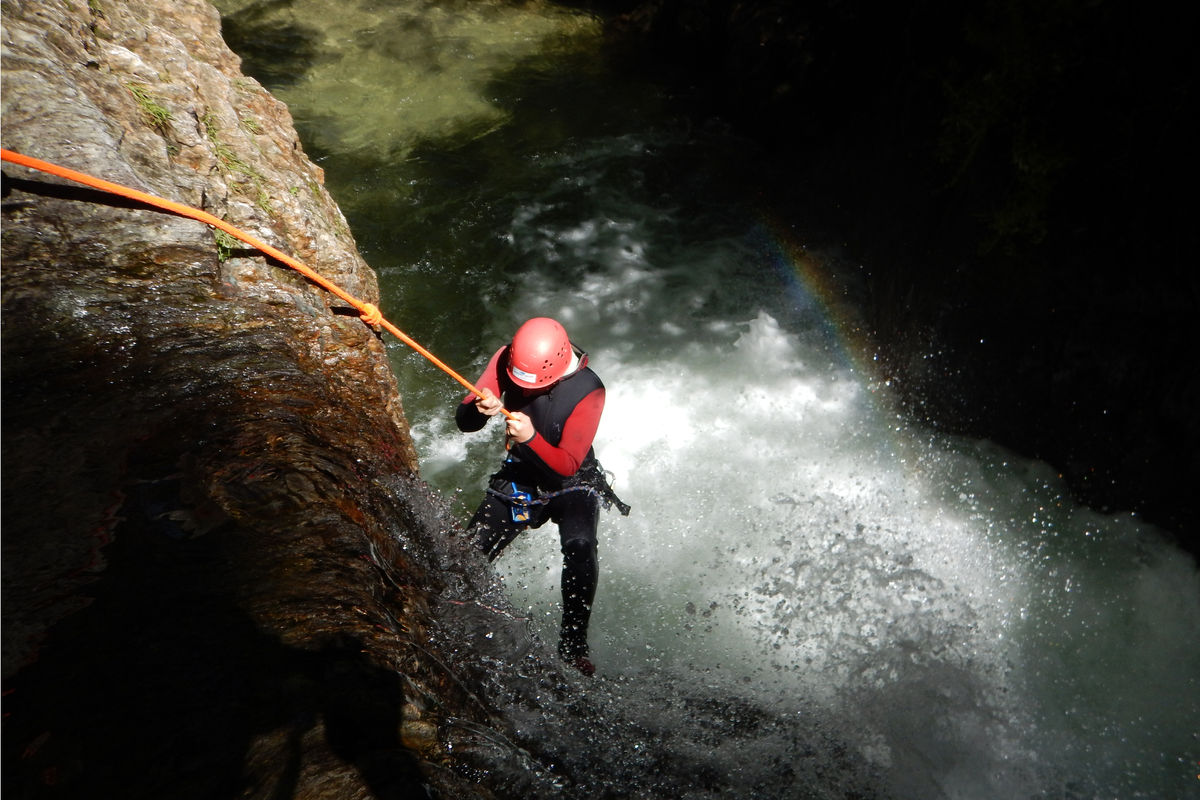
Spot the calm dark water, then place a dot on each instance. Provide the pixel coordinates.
(939, 607)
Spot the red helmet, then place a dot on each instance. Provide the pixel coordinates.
(540, 353)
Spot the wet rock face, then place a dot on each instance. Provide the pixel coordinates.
(217, 558)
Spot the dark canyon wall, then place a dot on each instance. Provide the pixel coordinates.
(1008, 176)
(218, 562)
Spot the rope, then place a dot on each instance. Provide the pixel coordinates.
(368, 312)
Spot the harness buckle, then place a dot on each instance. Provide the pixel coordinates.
(520, 501)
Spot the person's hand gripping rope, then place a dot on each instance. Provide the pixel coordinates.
(519, 428)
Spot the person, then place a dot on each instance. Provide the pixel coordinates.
(550, 472)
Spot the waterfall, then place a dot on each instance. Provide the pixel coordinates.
(795, 540)
(941, 605)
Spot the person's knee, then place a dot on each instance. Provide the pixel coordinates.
(489, 538)
(579, 549)
(490, 548)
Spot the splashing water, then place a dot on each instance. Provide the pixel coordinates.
(940, 604)
(795, 541)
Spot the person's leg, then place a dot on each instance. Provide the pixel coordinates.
(577, 515)
(492, 528)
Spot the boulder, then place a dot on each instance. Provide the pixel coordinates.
(219, 561)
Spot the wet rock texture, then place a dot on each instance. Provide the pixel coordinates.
(218, 561)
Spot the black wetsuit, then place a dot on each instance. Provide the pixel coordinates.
(572, 405)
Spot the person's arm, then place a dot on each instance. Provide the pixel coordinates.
(467, 416)
(578, 433)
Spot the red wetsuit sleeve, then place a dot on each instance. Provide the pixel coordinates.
(578, 433)
(466, 416)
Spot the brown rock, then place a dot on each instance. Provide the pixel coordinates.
(218, 560)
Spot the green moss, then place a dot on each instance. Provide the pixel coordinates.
(225, 244)
(234, 164)
(156, 113)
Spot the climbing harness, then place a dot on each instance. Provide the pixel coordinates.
(368, 312)
(521, 500)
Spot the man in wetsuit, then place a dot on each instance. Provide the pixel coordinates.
(550, 472)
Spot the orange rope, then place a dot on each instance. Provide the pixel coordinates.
(369, 312)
